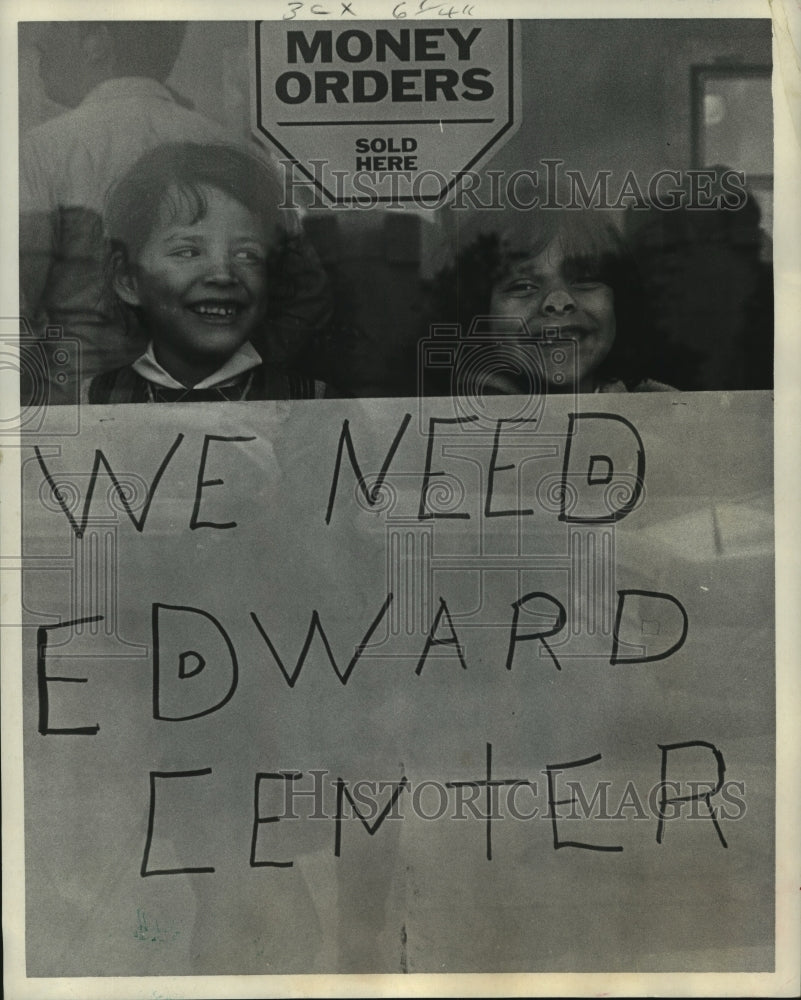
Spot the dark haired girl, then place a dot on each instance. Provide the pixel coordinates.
(550, 306)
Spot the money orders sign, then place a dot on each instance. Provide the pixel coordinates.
(382, 112)
(365, 686)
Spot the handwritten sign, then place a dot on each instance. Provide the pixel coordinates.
(387, 686)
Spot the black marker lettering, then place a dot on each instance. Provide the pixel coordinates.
(100, 458)
(551, 771)
(144, 872)
(423, 513)
(259, 820)
(542, 635)
(494, 467)
(434, 640)
(640, 637)
(665, 800)
(178, 691)
(345, 441)
(316, 626)
(343, 793)
(43, 680)
(201, 483)
(599, 504)
(489, 785)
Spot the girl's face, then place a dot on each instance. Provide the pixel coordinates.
(201, 286)
(559, 298)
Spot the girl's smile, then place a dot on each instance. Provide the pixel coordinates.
(558, 297)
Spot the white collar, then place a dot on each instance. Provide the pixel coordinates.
(245, 358)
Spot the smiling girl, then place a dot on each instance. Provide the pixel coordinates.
(198, 252)
(548, 306)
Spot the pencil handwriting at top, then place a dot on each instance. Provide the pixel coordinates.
(336, 9)
(431, 8)
(400, 10)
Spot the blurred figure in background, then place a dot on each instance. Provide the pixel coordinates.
(708, 296)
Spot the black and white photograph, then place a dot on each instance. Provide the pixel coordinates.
(399, 491)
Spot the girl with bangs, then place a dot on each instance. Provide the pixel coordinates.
(552, 302)
(198, 261)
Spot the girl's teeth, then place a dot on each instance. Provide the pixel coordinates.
(216, 310)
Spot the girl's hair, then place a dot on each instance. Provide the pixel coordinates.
(173, 176)
(589, 240)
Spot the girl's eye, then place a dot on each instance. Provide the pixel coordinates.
(520, 286)
(586, 280)
(185, 253)
(250, 255)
